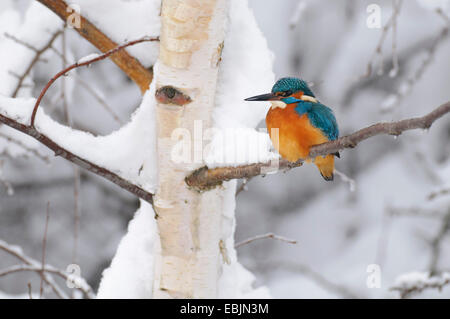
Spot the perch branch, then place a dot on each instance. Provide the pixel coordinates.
(77, 160)
(131, 66)
(85, 63)
(204, 178)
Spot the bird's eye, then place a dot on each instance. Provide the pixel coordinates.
(287, 93)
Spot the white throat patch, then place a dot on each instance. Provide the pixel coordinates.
(309, 98)
(279, 104)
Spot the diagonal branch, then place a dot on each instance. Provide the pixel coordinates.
(204, 178)
(131, 66)
(77, 160)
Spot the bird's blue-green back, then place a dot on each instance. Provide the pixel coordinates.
(321, 117)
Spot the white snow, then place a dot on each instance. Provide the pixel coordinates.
(131, 272)
(419, 280)
(88, 57)
(124, 21)
(245, 70)
(239, 146)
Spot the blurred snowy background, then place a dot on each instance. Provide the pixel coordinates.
(397, 215)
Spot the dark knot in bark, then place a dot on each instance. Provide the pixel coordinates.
(171, 95)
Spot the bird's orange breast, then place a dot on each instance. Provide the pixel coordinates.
(295, 133)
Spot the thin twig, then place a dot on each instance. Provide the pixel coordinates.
(265, 236)
(7, 184)
(394, 99)
(351, 182)
(395, 64)
(76, 213)
(298, 13)
(44, 246)
(30, 292)
(90, 90)
(16, 252)
(379, 48)
(20, 144)
(35, 266)
(313, 275)
(438, 193)
(436, 244)
(85, 63)
(36, 58)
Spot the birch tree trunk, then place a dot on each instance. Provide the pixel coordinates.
(188, 261)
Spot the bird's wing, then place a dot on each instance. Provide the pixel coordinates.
(323, 118)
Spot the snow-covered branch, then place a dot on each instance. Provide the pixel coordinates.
(83, 163)
(45, 271)
(131, 66)
(416, 282)
(204, 178)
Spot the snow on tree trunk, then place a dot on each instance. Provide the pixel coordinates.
(188, 263)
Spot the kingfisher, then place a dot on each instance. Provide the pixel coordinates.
(302, 121)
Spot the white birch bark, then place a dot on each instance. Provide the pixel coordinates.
(188, 259)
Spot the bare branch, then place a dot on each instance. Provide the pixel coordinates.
(265, 236)
(35, 266)
(30, 293)
(378, 53)
(7, 184)
(204, 178)
(298, 13)
(351, 182)
(85, 63)
(439, 193)
(394, 99)
(44, 247)
(313, 275)
(36, 58)
(89, 89)
(132, 67)
(436, 244)
(77, 160)
(16, 252)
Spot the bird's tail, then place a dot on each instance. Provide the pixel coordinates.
(325, 166)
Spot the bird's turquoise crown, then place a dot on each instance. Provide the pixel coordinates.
(293, 85)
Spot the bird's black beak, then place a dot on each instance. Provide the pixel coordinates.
(264, 97)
